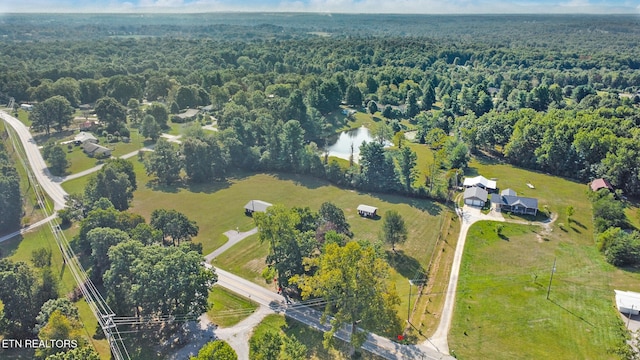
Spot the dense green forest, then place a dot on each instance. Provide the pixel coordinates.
(557, 94)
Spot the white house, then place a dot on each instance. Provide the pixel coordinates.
(628, 302)
(27, 107)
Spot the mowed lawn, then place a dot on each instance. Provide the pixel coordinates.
(228, 308)
(501, 307)
(219, 207)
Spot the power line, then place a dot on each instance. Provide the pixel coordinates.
(94, 299)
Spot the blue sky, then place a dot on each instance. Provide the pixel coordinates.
(342, 6)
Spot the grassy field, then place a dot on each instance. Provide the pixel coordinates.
(228, 308)
(501, 309)
(312, 339)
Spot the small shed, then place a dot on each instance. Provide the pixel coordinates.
(27, 107)
(601, 183)
(367, 211)
(256, 205)
(475, 196)
(84, 137)
(628, 302)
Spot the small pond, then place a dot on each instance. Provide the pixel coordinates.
(341, 145)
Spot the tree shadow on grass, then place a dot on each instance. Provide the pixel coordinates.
(307, 181)
(572, 313)
(578, 223)
(404, 264)
(430, 206)
(9, 247)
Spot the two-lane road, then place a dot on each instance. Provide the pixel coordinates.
(39, 167)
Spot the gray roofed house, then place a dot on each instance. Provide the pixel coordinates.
(475, 196)
(93, 149)
(514, 204)
(256, 205)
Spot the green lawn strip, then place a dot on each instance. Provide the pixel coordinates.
(247, 260)
(76, 186)
(501, 307)
(228, 308)
(311, 338)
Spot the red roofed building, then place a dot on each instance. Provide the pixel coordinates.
(601, 183)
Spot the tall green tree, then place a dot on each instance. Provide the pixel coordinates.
(330, 213)
(19, 297)
(354, 281)
(112, 184)
(412, 104)
(216, 350)
(59, 327)
(112, 113)
(56, 158)
(150, 128)
(428, 98)
(135, 112)
(159, 113)
(278, 227)
(394, 230)
(407, 163)
(353, 96)
(10, 195)
(175, 226)
(101, 240)
(164, 162)
(377, 168)
(154, 280)
(55, 112)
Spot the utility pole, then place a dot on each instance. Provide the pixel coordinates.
(409, 307)
(553, 270)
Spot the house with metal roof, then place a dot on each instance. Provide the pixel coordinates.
(480, 181)
(475, 196)
(84, 137)
(367, 211)
(509, 201)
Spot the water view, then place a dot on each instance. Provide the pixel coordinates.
(348, 142)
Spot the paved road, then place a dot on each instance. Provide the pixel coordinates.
(234, 238)
(27, 228)
(45, 179)
(98, 167)
(468, 216)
